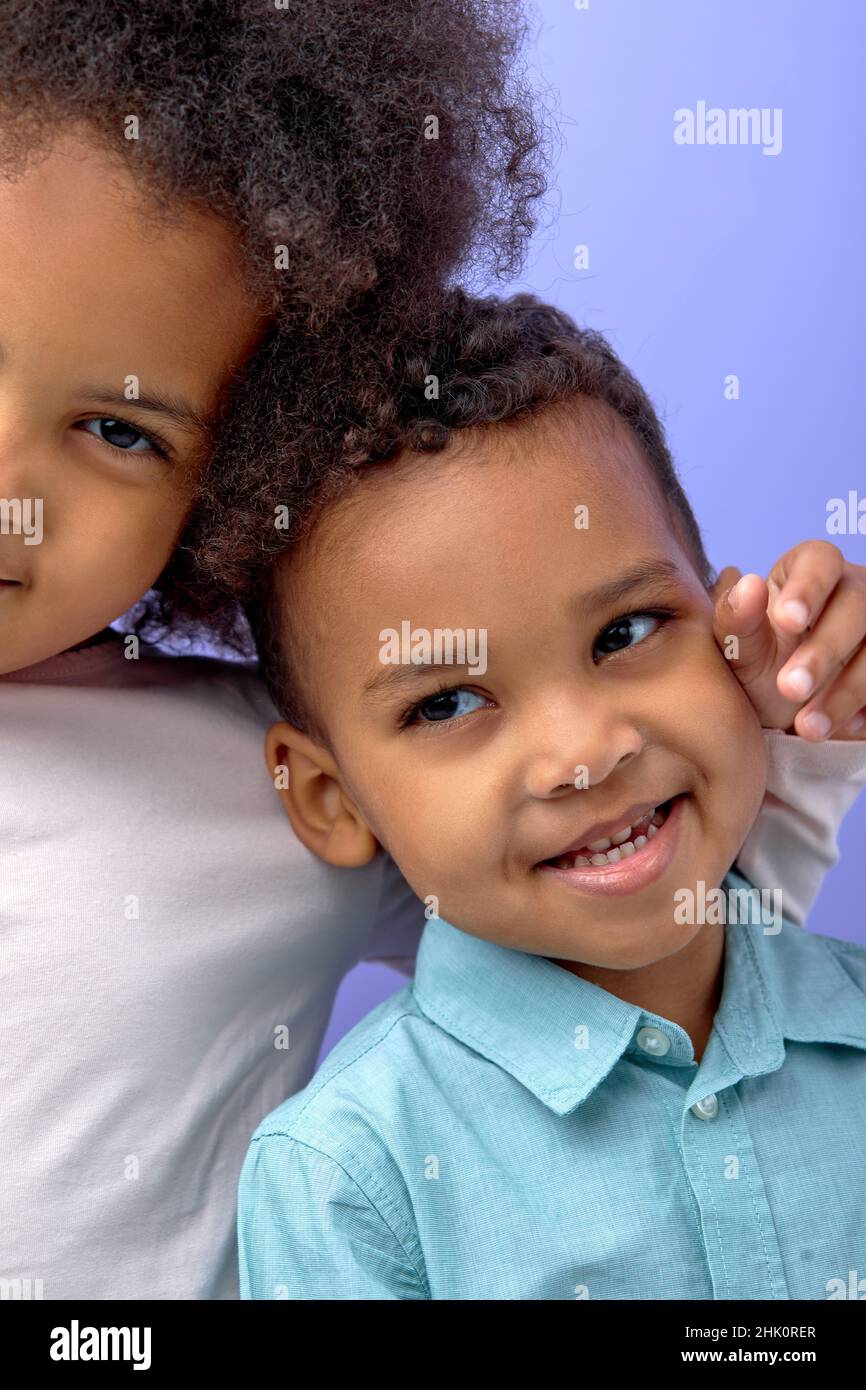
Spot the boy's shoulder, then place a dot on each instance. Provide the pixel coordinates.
(802, 944)
(327, 1169)
(372, 1092)
(851, 955)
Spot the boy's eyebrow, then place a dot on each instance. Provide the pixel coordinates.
(388, 680)
(155, 402)
(645, 572)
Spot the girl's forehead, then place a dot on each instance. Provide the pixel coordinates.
(91, 197)
(91, 281)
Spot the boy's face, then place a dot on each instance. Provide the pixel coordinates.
(474, 792)
(94, 306)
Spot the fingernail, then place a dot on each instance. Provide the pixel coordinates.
(855, 725)
(796, 611)
(818, 724)
(735, 595)
(801, 680)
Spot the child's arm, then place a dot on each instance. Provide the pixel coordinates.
(792, 844)
(811, 781)
(308, 1230)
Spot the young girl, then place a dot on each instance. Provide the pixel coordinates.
(217, 222)
(201, 204)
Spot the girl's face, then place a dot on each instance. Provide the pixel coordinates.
(116, 342)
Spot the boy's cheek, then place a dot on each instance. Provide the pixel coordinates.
(725, 729)
(739, 740)
(721, 684)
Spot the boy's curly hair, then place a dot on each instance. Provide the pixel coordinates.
(385, 144)
(495, 361)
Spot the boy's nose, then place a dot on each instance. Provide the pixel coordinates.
(581, 752)
(17, 473)
(17, 456)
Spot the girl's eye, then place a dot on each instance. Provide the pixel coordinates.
(628, 631)
(123, 436)
(445, 705)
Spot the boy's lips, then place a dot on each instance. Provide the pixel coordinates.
(648, 854)
(631, 817)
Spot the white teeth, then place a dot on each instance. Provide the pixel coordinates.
(622, 844)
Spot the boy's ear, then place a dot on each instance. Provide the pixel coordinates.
(324, 817)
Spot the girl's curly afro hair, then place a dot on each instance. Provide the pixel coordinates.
(385, 144)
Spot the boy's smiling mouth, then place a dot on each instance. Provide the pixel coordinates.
(624, 856)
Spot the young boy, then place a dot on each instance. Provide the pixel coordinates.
(604, 1082)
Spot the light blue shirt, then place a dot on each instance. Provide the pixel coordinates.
(503, 1129)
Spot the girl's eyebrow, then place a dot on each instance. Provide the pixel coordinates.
(182, 412)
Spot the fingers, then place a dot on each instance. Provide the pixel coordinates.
(837, 634)
(741, 614)
(840, 710)
(803, 581)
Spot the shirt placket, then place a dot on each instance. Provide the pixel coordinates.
(739, 1233)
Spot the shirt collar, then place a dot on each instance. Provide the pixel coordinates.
(560, 1036)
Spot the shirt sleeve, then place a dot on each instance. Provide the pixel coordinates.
(793, 842)
(306, 1230)
(399, 923)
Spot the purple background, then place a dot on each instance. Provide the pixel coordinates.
(709, 260)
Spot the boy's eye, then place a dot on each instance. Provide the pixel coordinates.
(628, 631)
(123, 436)
(445, 705)
(450, 703)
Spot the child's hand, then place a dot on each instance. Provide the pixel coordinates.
(802, 654)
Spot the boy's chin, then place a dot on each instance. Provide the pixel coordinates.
(629, 948)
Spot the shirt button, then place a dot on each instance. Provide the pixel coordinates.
(706, 1109)
(654, 1041)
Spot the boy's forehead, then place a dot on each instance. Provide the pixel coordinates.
(509, 480)
(563, 494)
